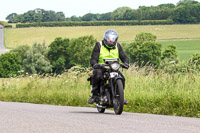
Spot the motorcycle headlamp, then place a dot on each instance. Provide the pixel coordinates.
(115, 66)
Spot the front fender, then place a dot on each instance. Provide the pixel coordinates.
(117, 78)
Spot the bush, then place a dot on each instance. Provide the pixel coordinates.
(144, 37)
(194, 62)
(5, 24)
(22, 50)
(81, 50)
(35, 60)
(10, 64)
(170, 53)
(145, 51)
(58, 55)
(172, 67)
(65, 53)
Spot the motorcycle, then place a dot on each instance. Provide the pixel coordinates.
(111, 92)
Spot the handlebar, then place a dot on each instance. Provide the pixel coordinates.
(122, 65)
(97, 66)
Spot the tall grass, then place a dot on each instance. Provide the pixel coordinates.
(162, 93)
(66, 89)
(147, 91)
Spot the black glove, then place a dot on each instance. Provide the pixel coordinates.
(126, 65)
(98, 66)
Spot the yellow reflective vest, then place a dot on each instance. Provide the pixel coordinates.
(107, 54)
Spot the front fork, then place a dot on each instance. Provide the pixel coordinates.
(112, 88)
(112, 83)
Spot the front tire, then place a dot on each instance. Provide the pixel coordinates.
(118, 102)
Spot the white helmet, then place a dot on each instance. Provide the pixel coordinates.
(110, 38)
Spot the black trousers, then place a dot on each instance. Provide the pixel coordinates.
(98, 76)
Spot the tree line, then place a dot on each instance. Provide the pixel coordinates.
(37, 15)
(185, 11)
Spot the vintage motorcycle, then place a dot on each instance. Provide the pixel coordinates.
(111, 94)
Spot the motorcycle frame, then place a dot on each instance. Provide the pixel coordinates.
(110, 84)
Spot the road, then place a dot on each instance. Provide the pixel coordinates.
(36, 118)
(2, 47)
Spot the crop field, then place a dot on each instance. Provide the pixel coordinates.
(27, 36)
(185, 37)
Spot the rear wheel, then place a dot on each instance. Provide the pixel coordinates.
(118, 100)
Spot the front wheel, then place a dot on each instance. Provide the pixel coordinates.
(118, 100)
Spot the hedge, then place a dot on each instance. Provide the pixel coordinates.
(5, 24)
(95, 23)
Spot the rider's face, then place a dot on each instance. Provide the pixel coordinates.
(111, 42)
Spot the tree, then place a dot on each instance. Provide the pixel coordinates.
(130, 15)
(105, 16)
(60, 16)
(183, 2)
(145, 51)
(59, 55)
(186, 12)
(65, 53)
(75, 18)
(118, 14)
(81, 50)
(38, 15)
(11, 17)
(35, 61)
(90, 17)
(22, 50)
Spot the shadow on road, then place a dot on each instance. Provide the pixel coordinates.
(82, 112)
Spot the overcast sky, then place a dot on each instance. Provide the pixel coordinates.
(73, 7)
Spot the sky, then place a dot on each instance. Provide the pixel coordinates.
(74, 7)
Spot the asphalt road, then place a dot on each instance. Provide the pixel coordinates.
(2, 47)
(36, 118)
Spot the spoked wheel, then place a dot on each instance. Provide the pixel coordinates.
(118, 101)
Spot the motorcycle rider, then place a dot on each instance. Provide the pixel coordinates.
(107, 48)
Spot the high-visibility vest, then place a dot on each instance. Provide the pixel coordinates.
(106, 54)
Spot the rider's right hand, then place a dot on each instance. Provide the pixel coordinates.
(125, 65)
(98, 66)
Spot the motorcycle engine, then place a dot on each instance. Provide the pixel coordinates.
(104, 99)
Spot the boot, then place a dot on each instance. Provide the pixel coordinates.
(92, 99)
(125, 102)
(94, 92)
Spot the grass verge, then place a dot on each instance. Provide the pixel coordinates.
(155, 92)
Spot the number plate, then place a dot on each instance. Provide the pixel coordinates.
(113, 74)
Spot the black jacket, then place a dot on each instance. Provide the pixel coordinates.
(96, 52)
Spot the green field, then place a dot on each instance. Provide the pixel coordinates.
(15, 36)
(185, 49)
(185, 37)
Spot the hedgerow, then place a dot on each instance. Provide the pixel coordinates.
(95, 23)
